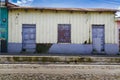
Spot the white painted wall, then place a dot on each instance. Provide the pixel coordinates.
(47, 22)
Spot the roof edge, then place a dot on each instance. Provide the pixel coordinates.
(69, 9)
(9, 4)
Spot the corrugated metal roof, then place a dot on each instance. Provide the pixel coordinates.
(8, 4)
(68, 9)
(11, 5)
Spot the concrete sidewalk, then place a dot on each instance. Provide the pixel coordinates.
(60, 59)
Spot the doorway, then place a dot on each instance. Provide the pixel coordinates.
(29, 38)
(98, 38)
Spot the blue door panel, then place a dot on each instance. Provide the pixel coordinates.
(29, 38)
(98, 38)
(29, 46)
(28, 41)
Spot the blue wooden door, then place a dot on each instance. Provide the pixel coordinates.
(29, 38)
(98, 38)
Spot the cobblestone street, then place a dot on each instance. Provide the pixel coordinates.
(59, 72)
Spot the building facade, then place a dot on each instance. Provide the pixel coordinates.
(3, 27)
(63, 30)
(118, 25)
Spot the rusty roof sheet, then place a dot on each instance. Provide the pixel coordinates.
(11, 5)
(69, 9)
(8, 4)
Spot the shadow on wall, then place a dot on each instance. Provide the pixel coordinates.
(43, 48)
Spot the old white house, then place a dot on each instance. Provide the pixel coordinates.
(62, 30)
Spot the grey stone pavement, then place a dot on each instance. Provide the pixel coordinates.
(59, 72)
(58, 68)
